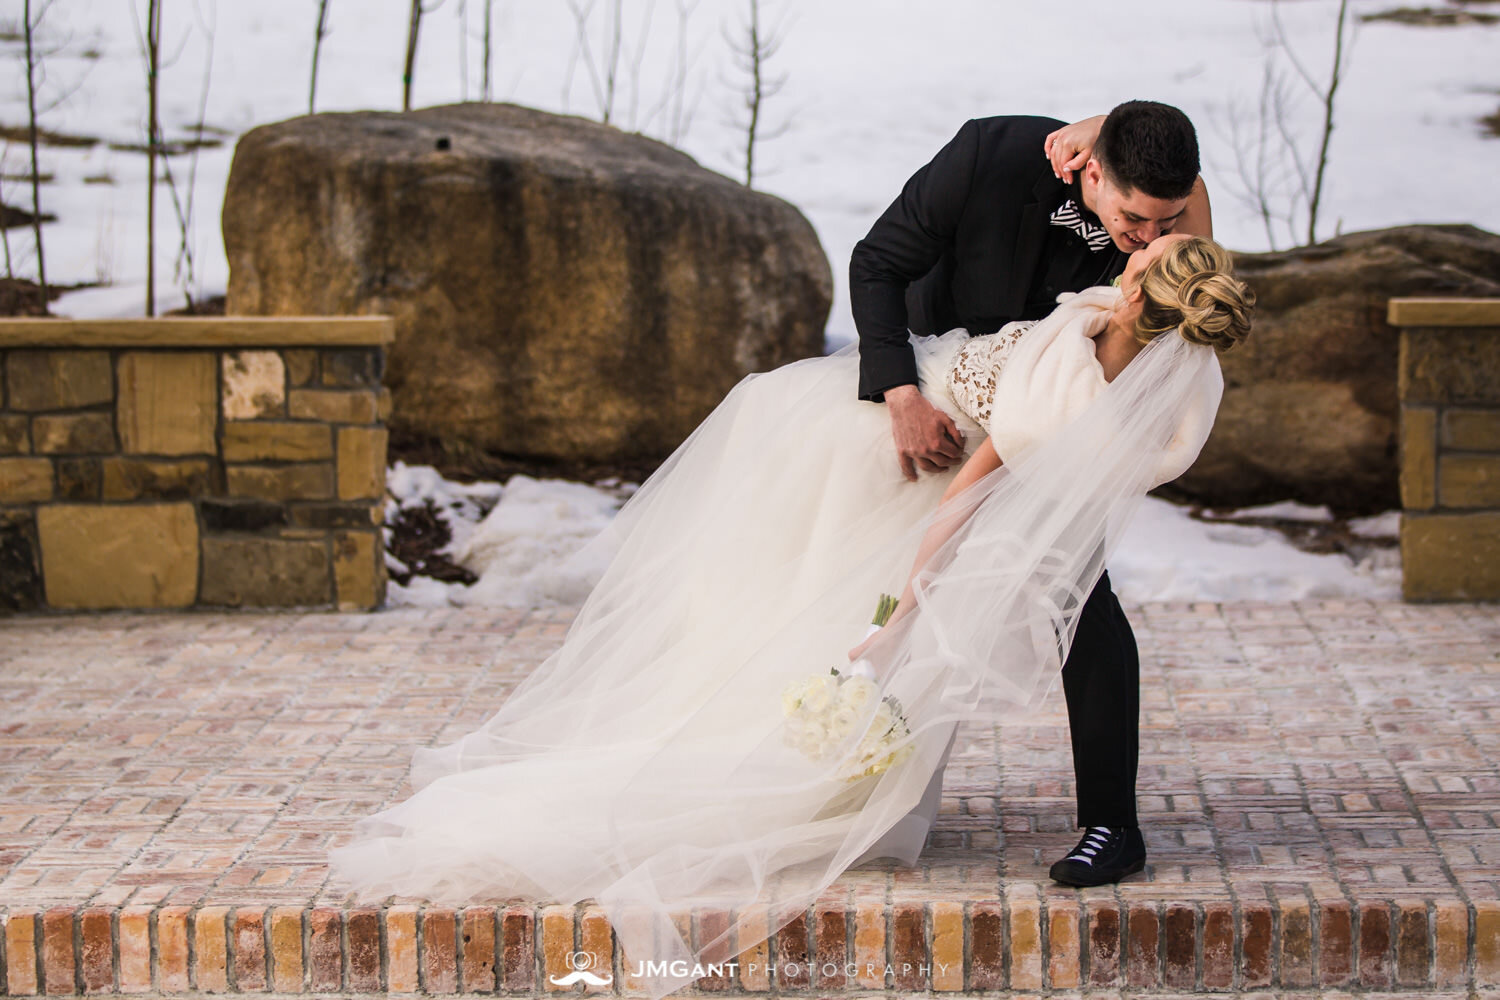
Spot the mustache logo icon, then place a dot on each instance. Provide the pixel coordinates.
(581, 974)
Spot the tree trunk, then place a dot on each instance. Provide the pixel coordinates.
(153, 70)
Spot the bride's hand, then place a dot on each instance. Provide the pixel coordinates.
(1070, 147)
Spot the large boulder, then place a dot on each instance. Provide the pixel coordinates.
(1310, 409)
(563, 291)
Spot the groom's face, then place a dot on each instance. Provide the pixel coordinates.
(1133, 218)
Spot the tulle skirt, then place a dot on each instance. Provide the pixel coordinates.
(640, 764)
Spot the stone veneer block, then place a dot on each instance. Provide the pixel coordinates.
(948, 945)
(309, 481)
(1450, 556)
(254, 384)
(277, 441)
(96, 557)
(1469, 481)
(1418, 457)
(350, 367)
(265, 572)
(25, 480)
(1450, 366)
(1471, 430)
(20, 952)
(73, 434)
(157, 479)
(334, 406)
(58, 380)
(168, 403)
(79, 479)
(362, 463)
(14, 438)
(301, 366)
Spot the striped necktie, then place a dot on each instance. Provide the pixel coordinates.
(1069, 216)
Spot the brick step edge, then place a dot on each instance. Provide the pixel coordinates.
(1025, 942)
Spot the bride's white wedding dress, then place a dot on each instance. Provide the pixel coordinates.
(643, 765)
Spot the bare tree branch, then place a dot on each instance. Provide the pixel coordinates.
(32, 22)
(320, 33)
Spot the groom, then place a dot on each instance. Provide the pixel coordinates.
(986, 233)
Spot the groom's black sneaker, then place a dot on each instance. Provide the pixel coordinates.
(1105, 854)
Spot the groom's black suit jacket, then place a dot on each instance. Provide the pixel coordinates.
(968, 243)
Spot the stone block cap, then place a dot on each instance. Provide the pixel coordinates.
(1443, 312)
(201, 331)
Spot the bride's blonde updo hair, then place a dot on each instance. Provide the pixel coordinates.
(1189, 289)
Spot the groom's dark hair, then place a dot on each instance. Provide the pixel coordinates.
(1150, 147)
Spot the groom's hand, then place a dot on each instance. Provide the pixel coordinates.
(926, 437)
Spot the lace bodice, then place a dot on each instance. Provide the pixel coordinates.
(971, 377)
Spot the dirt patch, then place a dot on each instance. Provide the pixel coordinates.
(1317, 537)
(178, 148)
(45, 137)
(1432, 17)
(415, 535)
(12, 217)
(462, 461)
(23, 297)
(211, 306)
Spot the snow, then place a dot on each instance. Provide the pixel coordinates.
(872, 89)
(522, 549)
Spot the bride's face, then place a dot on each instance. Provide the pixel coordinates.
(1130, 281)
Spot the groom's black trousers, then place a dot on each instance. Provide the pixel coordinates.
(1102, 682)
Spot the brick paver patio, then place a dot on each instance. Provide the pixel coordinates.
(1319, 788)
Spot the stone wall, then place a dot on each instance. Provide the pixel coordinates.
(192, 462)
(1450, 448)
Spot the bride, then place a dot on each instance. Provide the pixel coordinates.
(701, 739)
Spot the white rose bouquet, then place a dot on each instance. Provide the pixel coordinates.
(822, 710)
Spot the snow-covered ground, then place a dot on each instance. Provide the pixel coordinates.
(522, 548)
(871, 89)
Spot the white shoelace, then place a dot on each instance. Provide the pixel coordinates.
(1093, 841)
